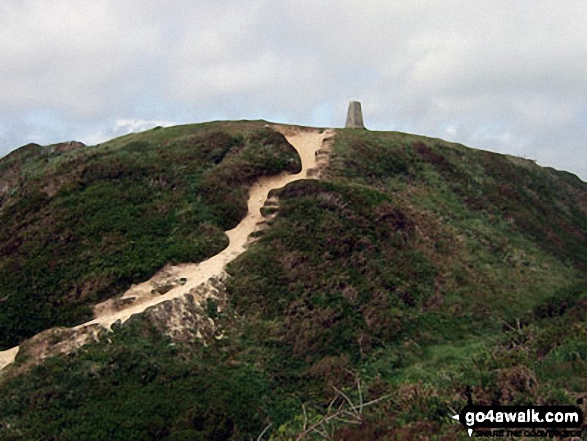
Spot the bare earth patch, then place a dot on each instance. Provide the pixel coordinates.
(173, 282)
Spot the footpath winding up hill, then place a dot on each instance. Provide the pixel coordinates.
(244, 280)
(183, 278)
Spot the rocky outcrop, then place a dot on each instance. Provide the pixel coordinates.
(56, 341)
(193, 316)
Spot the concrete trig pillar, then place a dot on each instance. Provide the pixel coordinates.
(354, 117)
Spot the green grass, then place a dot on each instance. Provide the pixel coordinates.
(136, 386)
(118, 212)
(418, 267)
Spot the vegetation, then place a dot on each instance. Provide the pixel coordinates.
(415, 269)
(82, 226)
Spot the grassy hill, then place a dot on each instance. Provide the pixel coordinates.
(81, 226)
(416, 268)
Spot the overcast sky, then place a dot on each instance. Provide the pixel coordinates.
(502, 75)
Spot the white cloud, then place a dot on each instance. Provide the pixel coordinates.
(123, 127)
(126, 126)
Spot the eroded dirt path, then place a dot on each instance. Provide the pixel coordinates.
(179, 280)
(7, 357)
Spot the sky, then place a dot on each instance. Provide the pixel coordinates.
(506, 76)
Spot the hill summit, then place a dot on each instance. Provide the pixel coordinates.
(250, 280)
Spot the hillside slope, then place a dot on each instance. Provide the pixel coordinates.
(80, 226)
(412, 269)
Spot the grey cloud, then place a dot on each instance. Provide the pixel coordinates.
(507, 76)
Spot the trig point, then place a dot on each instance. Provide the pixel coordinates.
(354, 117)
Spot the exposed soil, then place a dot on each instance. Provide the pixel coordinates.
(7, 357)
(174, 281)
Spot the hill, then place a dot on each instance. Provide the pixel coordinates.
(411, 269)
(78, 227)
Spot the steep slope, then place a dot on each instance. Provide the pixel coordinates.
(426, 267)
(412, 269)
(79, 227)
(177, 280)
